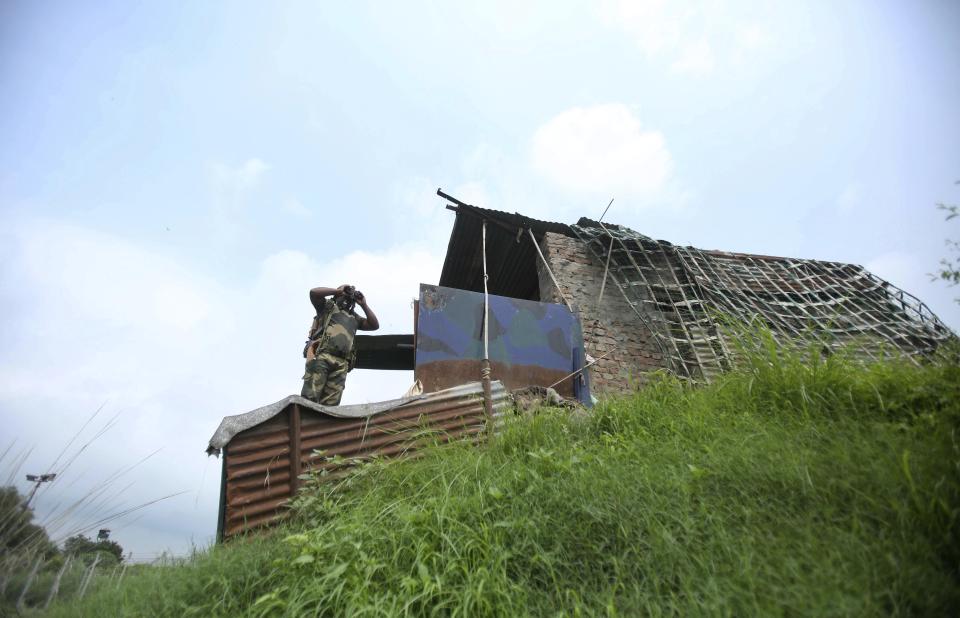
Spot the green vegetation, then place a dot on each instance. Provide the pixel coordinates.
(18, 532)
(72, 579)
(949, 270)
(111, 553)
(795, 486)
(33, 570)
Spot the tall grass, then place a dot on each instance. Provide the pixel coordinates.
(796, 485)
(29, 555)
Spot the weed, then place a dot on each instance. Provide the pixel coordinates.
(796, 484)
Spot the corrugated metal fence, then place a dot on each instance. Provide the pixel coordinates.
(260, 475)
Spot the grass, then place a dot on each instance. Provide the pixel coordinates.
(30, 556)
(70, 584)
(794, 486)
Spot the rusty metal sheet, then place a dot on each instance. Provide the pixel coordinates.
(438, 374)
(530, 343)
(260, 476)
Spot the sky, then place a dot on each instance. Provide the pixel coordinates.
(175, 176)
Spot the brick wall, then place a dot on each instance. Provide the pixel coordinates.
(609, 325)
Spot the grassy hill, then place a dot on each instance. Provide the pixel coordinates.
(795, 486)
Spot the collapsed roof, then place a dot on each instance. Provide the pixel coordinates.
(696, 302)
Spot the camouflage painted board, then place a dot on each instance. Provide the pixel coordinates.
(531, 343)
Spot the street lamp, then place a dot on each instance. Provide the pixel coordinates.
(37, 480)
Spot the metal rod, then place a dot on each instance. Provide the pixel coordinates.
(567, 377)
(450, 198)
(605, 210)
(476, 212)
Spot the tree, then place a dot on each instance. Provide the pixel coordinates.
(86, 548)
(950, 266)
(18, 533)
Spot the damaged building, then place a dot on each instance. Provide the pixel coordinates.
(647, 304)
(588, 310)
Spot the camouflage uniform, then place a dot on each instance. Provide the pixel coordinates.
(326, 373)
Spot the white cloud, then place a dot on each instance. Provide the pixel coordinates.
(231, 189)
(501, 179)
(485, 160)
(696, 57)
(92, 317)
(751, 37)
(245, 176)
(849, 199)
(602, 150)
(473, 192)
(493, 178)
(417, 197)
(901, 269)
(296, 208)
(655, 24)
(689, 37)
(424, 210)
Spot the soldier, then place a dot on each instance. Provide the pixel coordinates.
(329, 350)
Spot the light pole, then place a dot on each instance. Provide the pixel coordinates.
(37, 480)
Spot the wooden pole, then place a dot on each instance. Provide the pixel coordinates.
(55, 587)
(86, 580)
(122, 573)
(26, 586)
(485, 363)
(294, 450)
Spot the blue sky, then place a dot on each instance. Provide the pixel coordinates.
(174, 177)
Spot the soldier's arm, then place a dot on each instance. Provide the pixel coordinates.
(370, 322)
(319, 295)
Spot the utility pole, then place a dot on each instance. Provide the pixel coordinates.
(37, 480)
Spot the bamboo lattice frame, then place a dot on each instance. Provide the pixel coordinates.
(684, 295)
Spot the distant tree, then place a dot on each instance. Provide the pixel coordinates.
(18, 533)
(950, 266)
(86, 548)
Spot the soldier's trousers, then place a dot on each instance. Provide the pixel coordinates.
(324, 379)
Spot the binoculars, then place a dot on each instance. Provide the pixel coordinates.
(348, 297)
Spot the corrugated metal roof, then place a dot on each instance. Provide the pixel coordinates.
(232, 425)
(511, 258)
(260, 476)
